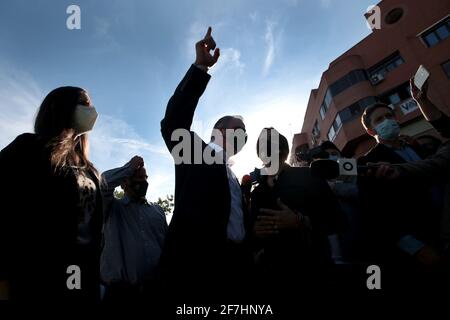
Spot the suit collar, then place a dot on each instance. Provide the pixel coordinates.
(219, 149)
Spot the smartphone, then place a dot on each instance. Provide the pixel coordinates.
(421, 77)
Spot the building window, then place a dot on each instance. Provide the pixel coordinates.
(393, 16)
(331, 134)
(394, 98)
(322, 111)
(387, 65)
(335, 127)
(328, 99)
(347, 81)
(337, 122)
(316, 131)
(356, 109)
(446, 67)
(396, 95)
(325, 104)
(437, 33)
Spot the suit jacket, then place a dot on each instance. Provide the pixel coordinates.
(394, 209)
(39, 226)
(288, 253)
(431, 171)
(380, 152)
(195, 251)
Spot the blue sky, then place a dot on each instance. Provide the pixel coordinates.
(130, 56)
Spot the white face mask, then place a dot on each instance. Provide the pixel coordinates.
(389, 129)
(84, 119)
(333, 157)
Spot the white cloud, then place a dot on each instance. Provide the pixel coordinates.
(326, 3)
(19, 99)
(253, 16)
(230, 58)
(274, 106)
(196, 32)
(292, 3)
(270, 46)
(113, 142)
(103, 36)
(278, 110)
(102, 27)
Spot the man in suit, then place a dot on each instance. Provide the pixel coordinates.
(204, 247)
(400, 223)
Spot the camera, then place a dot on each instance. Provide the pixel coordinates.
(310, 154)
(344, 169)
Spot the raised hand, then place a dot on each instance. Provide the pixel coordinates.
(417, 94)
(136, 162)
(203, 48)
(383, 170)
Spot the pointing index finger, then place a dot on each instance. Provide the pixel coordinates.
(208, 33)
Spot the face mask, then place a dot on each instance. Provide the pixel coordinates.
(84, 119)
(140, 188)
(333, 157)
(389, 129)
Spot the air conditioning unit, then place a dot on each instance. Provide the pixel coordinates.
(376, 78)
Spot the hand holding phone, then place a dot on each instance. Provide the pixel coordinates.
(421, 77)
(419, 84)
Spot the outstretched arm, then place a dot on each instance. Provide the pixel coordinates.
(181, 107)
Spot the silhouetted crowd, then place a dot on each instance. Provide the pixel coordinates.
(283, 230)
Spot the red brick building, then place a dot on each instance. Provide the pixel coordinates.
(378, 68)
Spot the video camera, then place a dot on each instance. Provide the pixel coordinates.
(344, 169)
(311, 154)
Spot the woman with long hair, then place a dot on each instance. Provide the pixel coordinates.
(51, 207)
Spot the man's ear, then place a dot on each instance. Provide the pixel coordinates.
(372, 132)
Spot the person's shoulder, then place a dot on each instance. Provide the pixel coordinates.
(158, 209)
(445, 144)
(444, 149)
(379, 147)
(299, 173)
(417, 149)
(442, 125)
(23, 143)
(25, 139)
(373, 154)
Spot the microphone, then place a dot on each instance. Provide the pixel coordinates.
(246, 187)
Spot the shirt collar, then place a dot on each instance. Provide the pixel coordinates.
(219, 149)
(127, 200)
(216, 147)
(403, 145)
